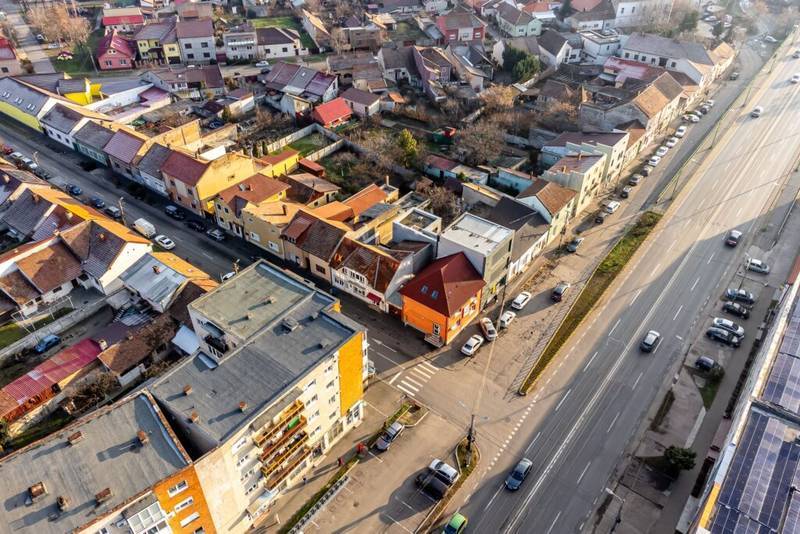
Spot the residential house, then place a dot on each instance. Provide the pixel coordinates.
(278, 43)
(600, 45)
(600, 16)
(443, 168)
(255, 190)
(13, 183)
(613, 144)
(194, 183)
(196, 41)
(25, 102)
(310, 242)
(461, 25)
(442, 299)
(39, 210)
(516, 22)
(310, 190)
(239, 43)
(556, 204)
(435, 71)
(555, 49)
(398, 64)
(688, 57)
(316, 29)
(62, 121)
(363, 103)
(203, 9)
(188, 82)
(488, 247)
(295, 89)
(91, 138)
(122, 19)
(332, 114)
(123, 148)
(530, 232)
(9, 62)
(582, 173)
(277, 388)
(157, 42)
(471, 64)
(263, 224)
(115, 52)
(279, 164)
(361, 34)
(544, 11)
(633, 13)
(417, 225)
(147, 168)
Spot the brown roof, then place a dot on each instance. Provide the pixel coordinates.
(50, 267)
(553, 196)
(255, 189)
(362, 97)
(280, 157)
(95, 246)
(184, 168)
(139, 345)
(123, 146)
(377, 267)
(192, 29)
(306, 187)
(445, 285)
(18, 288)
(179, 309)
(335, 211)
(365, 199)
(314, 235)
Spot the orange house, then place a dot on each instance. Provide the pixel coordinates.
(443, 298)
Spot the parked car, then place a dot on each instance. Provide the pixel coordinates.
(444, 472)
(690, 117)
(97, 202)
(216, 234)
(709, 103)
(388, 436)
(197, 226)
(506, 319)
(727, 324)
(521, 300)
(7, 149)
(796, 54)
(28, 163)
(517, 475)
(559, 291)
(757, 266)
(705, 363)
(601, 216)
(704, 109)
(635, 180)
(723, 336)
(650, 341)
(734, 76)
(770, 39)
(573, 245)
(262, 64)
(671, 142)
(164, 242)
(15, 157)
(734, 308)
(654, 161)
(740, 295)
(175, 212)
(227, 276)
(46, 343)
(662, 151)
(681, 131)
(611, 206)
(646, 170)
(113, 212)
(456, 525)
(432, 486)
(74, 190)
(757, 111)
(795, 78)
(488, 329)
(733, 238)
(472, 345)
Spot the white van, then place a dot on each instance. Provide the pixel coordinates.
(144, 227)
(612, 206)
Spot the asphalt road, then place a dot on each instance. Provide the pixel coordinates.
(587, 416)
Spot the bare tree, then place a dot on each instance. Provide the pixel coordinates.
(559, 116)
(343, 9)
(498, 98)
(444, 203)
(57, 24)
(481, 141)
(339, 40)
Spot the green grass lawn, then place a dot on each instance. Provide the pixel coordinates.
(285, 22)
(309, 144)
(10, 332)
(81, 63)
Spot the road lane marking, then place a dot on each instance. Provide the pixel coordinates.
(658, 268)
(421, 373)
(584, 472)
(496, 493)
(553, 524)
(612, 423)
(406, 384)
(738, 212)
(428, 366)
(396, 522)
(672, 244)
(404, 390)
(710, 258)
(695, 284)
(381, 343)
(677, 312)
(404, 503)
(532, 442)
(395, 377)
(615, 327)
(388, 359)
(590, 361)
(209, 256)
(637, 379)
(636, 296)
(563, 399)
(412, 382)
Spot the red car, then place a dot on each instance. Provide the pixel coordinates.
(7, 150)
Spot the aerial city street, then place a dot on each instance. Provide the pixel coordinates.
(411, 266)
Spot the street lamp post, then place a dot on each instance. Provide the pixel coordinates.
(618, 519)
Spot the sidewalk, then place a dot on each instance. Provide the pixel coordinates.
(26, 40)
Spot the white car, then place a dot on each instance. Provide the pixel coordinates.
(262, 64)
(770, 39)
(710, 103)
(611, 207)
(654, 161)
(691, 117)
(488, 329)
(472, 345)
(730, 326)
(521, 300)
(506, 319)
(164, 242)
(662, 151)
(681, 131)
(795, 78)
(757, 266)
(227, 276)
(671, 142)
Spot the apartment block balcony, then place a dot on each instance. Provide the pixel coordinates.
(280, 475)
(267, 428)
(279, 440)
(280, 457)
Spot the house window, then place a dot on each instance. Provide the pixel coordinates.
(273, 247)
(206, 55)
(187, 46)
(331, 384)
(633, 10)
(190, 518)
(284, 49)
(190, 56)
(204, 44)
(320, 269)
(436, 329)
(184, 504)
(177, 488)
(332, 400)
(622, 11)
(123, 61)
(673, 64)
(108, 63)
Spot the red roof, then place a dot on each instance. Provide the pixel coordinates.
(7, 49)
(438, 162)
(184, 168)
(333, 111)
(445, 285)
(113, 40)
(123, 146)
(123, 19)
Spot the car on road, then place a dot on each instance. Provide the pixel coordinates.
(611, 207)
(654, 161)
(796, 54)
(635, 179)
(734, 76)
(443, 471)
(164, 242)
(723, 336)
(690, 117)
(472, 345)
(432, 486)
(727, 324)
(97, 202)
(197, 226)
(646, 170)
(74, 190)
(681, 131)
(733, 238)
(795, 78)
(734, 308)
(757, 266)
(575, 244)
(46, 343)
(15, 157)
(456, 525)
(757, 111)
(770, 39)
(262, 64)
(388, 436)
(601, 216)
(506, 319)
(517, 475)
(521, 300)
(7, 149)
(671, 142)
(705, 363)
(216, 234)
(704, 109)
(28, 163)
(488, 329)
(559, 291)
(625, 192)
(175, 212)
(227, 276)
(662, 151)
(43, 174)
(650, 341)
(113, 212)
(740, 295)
(710, 103)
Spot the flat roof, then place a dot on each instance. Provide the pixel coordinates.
(476, 233)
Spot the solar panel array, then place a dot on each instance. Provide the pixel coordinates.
(783, 384)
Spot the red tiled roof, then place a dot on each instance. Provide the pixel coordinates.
(7, 49)
(184, 168)
(445, 285)
(365, 199)
(329, 112)
(255, 189)
(438, 162)
(116, 42)
(123, 19)
(50, 267)
(193, 29)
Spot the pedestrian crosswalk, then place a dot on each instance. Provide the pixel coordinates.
(413, 379)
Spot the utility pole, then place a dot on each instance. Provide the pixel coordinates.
(121, 210)
(618, 519)
(236, 265)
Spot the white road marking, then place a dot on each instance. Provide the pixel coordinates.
(563, 399)
(612, 422)
(404, 503)
(615, 327)
(388, 359)
(425, 374)
(637, 379)
(395, 377)
(710, 258)
(680, 338)
(584, 472)
(381, 343)
(672, 244)
(209, 256)
(658, 268)
(428, 366)
(406, 384)
(404, 390)
(590, 361)
(373, 455)
(636, 296)
(532, 442)
(496, 493)
(695, 284)
(396, 522)
(677, 312)
(409, 379)
(553, 524)
(739, 211)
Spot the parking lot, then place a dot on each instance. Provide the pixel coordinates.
(381, 495)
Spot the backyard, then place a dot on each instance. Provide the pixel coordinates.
(310, 143)
(287, 22)
(81, 63)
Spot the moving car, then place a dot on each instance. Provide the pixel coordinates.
(97, 202)
(757, 111)
(517, 475)
(740, 295)
(113, 212)
(175, 212)
(650, 341)
(144, 227)
(197, 226)
(671, 142)
(388, 436)
(573, 245)
(472, 345)
(164, 242)
(216, 234)
(521, 300)
(46, 343)
(488, 329)
(558, 292)
(723, 336)
(506, 319)
(626, 192)
(662, 151)
(795, 78)
(227, 276)
(654, 161)
(262, 64)
(796, 54)
(456, 525)
(734, 308)
(770, 39)
(705, 363)
(730, 326)
(733, 238)
(758, 266)
(74, 190)
(635, 179)
(431, 485)
(681, 131)
(444, 472)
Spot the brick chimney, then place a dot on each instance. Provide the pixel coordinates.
(187, 389)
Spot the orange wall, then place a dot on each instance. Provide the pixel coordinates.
(199, 505)
(423, 318)
(350, 372)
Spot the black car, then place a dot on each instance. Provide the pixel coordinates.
(175, 212)
(197, 226)
(97, 202)
(740, 295)
(41, 173)
(431, 485)
(216, 234)
(558, 292)
(74, 190)
(573, 245)
(734, 308)
(723, 336)
(635, 179)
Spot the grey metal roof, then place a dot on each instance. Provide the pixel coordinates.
(21, 96)
(665, 47)
(153, 280)
(477, 234)
(94, 135)
(527, 223)
(26, 213)
(61, 118)
(153, 160)
(109, 456)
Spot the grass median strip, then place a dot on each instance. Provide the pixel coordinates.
(602, 277)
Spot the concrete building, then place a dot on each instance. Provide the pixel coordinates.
(599, 45)
(632, 13)
(581, 173)
(612, 144)
(530, 232)
(196, 41)
(516, 22)
(690, 58)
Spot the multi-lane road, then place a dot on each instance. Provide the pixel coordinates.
(588, 415)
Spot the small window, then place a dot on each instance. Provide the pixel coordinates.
(190, 518)
(177, 488)
(434, 294)
(204, 44)
(424, 290)
(184, 504)
(187, 46)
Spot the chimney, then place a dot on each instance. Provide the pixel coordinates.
(103, 344)
(580, 155)
(143, 437)
(35, 198)
(68, 215)
(36, 491)
(387, 179)
(75, 438)
(187, 389)
(242, 406)
(6, 178)
(156, 269)
(103, 496)
(102, 236)
(194, 417)
(63, 503)
(129, 336)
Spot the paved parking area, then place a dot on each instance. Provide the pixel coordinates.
(381, 495)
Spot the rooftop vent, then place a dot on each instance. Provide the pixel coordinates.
(313, 316)
(75, 438)
(63, 503)
(194, 417)
(102, 236)
(270, 299)
(290, 323)
(142, 437)
(187, 389)
(324, 344)
(242, 406)
(156, 269)
(36, 491)
(103, 496)
(102, 343)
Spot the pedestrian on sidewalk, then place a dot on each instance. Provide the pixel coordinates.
(305, 479)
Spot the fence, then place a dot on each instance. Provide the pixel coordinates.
(299, 134)
(330, 494)
(325, 151)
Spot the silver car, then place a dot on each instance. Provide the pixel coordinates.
(730, 326)
(758, 266)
